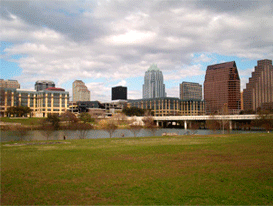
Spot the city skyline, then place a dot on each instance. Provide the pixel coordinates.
(106, 46)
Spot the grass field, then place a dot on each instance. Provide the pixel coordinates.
(203, 170)
(23, 121)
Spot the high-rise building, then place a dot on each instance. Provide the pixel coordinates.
(259, 89)
(119, 93)
(9, 84)
(190, 91)
(222, 88)
(153, 86)
(80, 91)
(43, 84)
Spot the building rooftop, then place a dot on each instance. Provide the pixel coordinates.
(153, 67)
(222, 65)
(44, 81)
(55, 89)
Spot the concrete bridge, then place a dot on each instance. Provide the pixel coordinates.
(187, 119)
(177, 120)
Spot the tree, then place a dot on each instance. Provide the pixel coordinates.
(224, 112)
(69, 117)
(21, 131)
(54, 120)
(47, 129)
(120, 118)
(133, 111)
(213, 124)
(83, 129)
(18, 111)
(86, 117)
(135, 127)
(265, 119)
(149, 123)
(109, 126)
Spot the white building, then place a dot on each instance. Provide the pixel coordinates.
(80, 91)
(153, 86)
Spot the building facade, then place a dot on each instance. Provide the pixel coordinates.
(44, 102)
(222, 88)
(43, 84)
(153, 86)
(119, 93)
(259, 89)
(190, 91)
(80, 91)
(168, 106)
(9, 84)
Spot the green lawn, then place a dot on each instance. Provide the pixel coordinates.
(23, 121)
(203, 170)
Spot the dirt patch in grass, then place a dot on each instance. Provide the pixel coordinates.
(35, 143)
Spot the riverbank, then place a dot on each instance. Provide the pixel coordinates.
(183, 170)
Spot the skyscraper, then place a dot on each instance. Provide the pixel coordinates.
(119, 93)
(153, 86)
(190, 91)
(222, 88)
(259, 89)
(80, 91)
(43, 84)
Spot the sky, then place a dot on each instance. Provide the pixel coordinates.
(109, 43)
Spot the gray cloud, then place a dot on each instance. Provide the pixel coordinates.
(115, 40)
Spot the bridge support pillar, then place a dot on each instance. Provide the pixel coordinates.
(185, 125)
(230, 125)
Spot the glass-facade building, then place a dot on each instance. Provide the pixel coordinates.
(119, 93)
(259, 89)
(222, 88)
(153, 86)
(190, 91)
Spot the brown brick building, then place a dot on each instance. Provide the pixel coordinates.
(259, 89)
(222, 88)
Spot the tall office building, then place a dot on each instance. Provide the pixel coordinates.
(119, 93)
(259, 89)
(190, 91)
(9, 84)
(222, 88)
(153, 86)
(43, 84)
(80, 91)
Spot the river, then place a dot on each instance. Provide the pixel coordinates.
(94, 134)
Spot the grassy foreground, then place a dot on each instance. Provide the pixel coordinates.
(215, 169)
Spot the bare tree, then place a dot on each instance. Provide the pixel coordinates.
(212, 124)
(223, 121)
(22, 131)
(83, 129)
(47, 129)
(265, 120)
(120, 118)
(135, 127)
(69, 118)
(109, 126)
(149, 123)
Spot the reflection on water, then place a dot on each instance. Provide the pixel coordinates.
(59, 135)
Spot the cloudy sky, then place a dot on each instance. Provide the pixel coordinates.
(107, 43)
